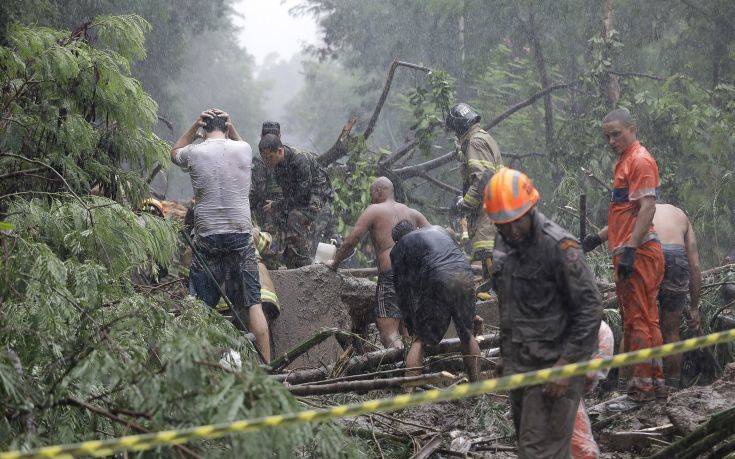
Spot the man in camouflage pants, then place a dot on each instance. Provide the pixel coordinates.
(305, 210)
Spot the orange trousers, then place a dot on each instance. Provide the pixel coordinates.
(637, 301)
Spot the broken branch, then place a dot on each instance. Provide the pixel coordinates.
(365, 362)
(386, 88)
(418, 169)
(339, 148)
(370, 384)
(402, 151)
(440, 184)
(498, 119)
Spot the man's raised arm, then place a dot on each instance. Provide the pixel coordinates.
(188, 137)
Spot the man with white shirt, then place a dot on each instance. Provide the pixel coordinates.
(220, 170)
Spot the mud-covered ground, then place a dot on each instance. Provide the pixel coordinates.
(482, 427)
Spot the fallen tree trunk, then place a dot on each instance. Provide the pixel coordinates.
(370, 384)
(704, 438)
(366, 362)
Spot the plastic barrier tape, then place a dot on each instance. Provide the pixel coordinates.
(143, 442)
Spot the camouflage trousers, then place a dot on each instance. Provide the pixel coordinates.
(301, 229)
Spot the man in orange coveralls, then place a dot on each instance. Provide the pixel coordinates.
(637, 256)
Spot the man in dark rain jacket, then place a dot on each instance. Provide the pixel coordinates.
(306, 205)
(550, 312)
(433, 283)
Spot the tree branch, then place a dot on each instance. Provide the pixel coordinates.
(402, 151)
(637, 75)
(339, 148)
(498, 119)
(51, 168)
(22, 172)
(104, 413)
(418, 169)
(386, 88)
(440, 184)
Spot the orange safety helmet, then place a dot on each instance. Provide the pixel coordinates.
(509, 195)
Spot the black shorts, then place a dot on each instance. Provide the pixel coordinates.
(232, 261)
(386, 304)
(672, 294)
(447, 297)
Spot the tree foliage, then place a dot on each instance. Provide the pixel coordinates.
(84, 351)
(666, 61)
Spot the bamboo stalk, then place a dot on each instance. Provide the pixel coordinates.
(370, 384)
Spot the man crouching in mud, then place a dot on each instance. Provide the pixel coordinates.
(379, 219)
(434, 284)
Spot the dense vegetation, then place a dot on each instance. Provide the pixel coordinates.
(86, 351)
(665, 61)
(87, 89)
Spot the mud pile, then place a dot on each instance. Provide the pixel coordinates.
(315, 297)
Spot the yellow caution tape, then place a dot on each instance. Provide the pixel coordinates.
(144, 442)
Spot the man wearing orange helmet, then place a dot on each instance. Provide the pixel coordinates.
(550, 311)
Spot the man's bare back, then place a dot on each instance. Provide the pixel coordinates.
(382, 218)
(379, 219)
(671, 224)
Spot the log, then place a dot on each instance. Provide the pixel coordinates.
(704, 438)
(363, 376)
(428, 449)
(364, 363)
(370, 384)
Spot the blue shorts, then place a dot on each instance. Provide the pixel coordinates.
(232, 261)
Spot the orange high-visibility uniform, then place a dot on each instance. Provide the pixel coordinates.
(636, 176)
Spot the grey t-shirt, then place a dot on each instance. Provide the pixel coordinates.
(220, 172)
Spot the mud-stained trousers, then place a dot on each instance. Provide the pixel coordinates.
(638, 306)
(543, 424)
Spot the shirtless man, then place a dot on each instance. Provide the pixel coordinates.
(682, 274)
(379, 219)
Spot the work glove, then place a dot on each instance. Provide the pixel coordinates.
(591, 242)
(625, 262)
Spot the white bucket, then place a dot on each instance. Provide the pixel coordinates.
(325, 252)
